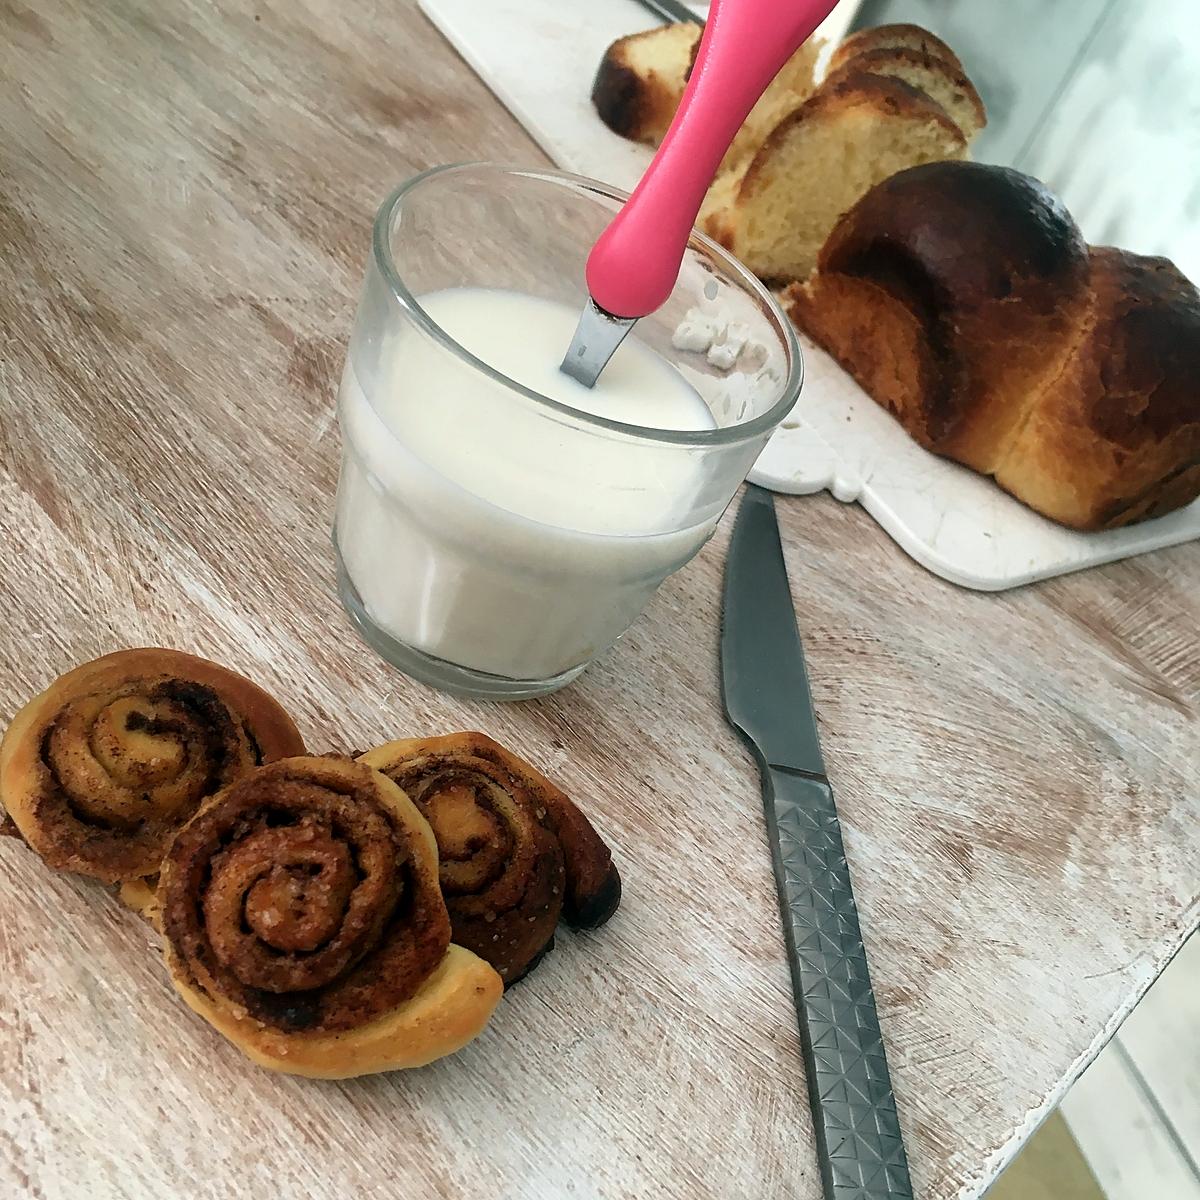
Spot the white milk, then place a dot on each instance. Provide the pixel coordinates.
(480, 531)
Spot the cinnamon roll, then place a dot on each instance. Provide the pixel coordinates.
(515, 852)
(303, 919)
(101, 769)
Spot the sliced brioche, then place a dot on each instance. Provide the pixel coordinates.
(776, 213)
(888, 37)
(940, 80)
(641, 80)
(787, 92)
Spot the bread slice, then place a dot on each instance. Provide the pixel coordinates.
(776, 213)
(889, 37)
(787, 92)
(936, 77)
(641, 80)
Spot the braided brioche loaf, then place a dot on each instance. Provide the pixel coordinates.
(963, 298)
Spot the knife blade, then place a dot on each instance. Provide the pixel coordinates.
(671, 11)
(769, 702)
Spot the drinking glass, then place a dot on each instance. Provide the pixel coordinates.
(490, 540)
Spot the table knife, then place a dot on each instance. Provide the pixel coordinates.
(672, 11)
(768, 701)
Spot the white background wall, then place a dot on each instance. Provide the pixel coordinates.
(1100, 99)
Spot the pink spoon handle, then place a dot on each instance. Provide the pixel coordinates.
(633, 267)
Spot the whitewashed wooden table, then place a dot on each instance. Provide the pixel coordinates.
(185, 194)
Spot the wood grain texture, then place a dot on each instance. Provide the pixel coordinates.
(185, 196)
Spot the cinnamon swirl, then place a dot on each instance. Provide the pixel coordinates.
(100, 770)
(303, 920)
(515, 852)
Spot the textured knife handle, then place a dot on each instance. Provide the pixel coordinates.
(858, 1133)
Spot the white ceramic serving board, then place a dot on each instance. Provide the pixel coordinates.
(539, 57)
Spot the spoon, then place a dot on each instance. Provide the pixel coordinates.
(634, 265)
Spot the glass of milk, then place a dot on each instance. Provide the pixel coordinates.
(499, 525)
